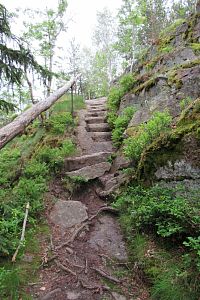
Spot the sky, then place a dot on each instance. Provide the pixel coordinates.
(83, 13)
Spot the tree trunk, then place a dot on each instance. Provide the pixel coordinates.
(30, 87)
(8, 132)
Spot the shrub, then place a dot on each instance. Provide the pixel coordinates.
(126, 82)
(54, 157)
(169, 213)
(134, 146)
(121, 123)
(8, 159)
(111, 118)
(35, 168)
(58, 123)
(185, 102)
(114, 98)
(9, 284)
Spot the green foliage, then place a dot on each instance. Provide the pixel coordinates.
(163, 210)
(64, 104)
(116, 93)
(134, 146)
(194, 244)
(111, 118)
(121, 123)
(173, 215)
(54, 157)
(8, 159)
(185, 102)
(170, 286)
(35, 168)
(172, 27)
(195, 47)
(126, 82)
(114, 98)
(167, 49)
(9, 283)
(6, 106)
(59, 122)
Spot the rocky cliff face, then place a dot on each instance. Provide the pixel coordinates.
(166, 76)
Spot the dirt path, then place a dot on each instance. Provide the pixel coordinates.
(86, 257)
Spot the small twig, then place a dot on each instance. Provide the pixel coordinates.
(95, 287)
(73, 265)
(102, 273)
(104, 208)
(64, 268)
(51, 243)
(23, 233)
(106, 256)
(72, 238)
(69, 250)
(86, 266)
(35, 283)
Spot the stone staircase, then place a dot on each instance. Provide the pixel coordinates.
(94, 137)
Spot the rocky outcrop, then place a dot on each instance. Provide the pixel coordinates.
(164, 77)
(175, 155)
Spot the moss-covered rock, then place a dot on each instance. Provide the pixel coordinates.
(174, 155)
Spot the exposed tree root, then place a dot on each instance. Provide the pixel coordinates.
(102, 209)
(102, 273)
(64, 268)
(72, 238)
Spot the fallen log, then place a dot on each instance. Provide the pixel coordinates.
(8, 132)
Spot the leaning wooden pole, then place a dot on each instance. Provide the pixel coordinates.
(8, 132)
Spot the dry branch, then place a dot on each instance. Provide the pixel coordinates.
(23, 233)
(8, 132)
(64, 268)
(102, 273)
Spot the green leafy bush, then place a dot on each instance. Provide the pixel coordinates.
(116, 93)
(58, 123)
(54, 157)
(111, 118)
(121, 123)
(35, 168)
(8, 165)
(126, 82)
(169, 213)
(185, 102)
(134, 146)
(114, 98)
(9, 284)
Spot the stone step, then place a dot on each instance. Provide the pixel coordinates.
(95, 120)
(110, 183)
(103, 146)
(93, 106)
(95, 114)
(97, 110)
(101, 136)
(101, 127)
(75, 163)
(96, 102)
(91, 172)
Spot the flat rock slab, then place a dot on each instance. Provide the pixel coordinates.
(101, 136)
(91, 172)
(75, 163)
(101, 127)
(95, 120)
(107, 238)
(68, 213)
